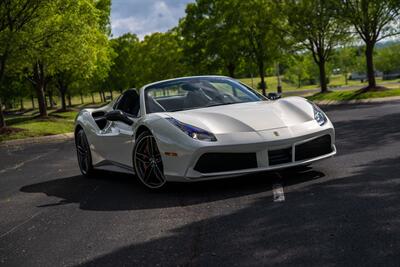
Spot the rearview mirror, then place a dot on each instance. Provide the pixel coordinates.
(118, 115)
(274, 96)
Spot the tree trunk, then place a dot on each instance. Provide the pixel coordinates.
(261, 72)
(69, 100)
(101, 97)
(38, 76)
(22, 103)
(111, 94)
(51, 99)
(322, 76)
(104, 96)
(82, 102)
(369, 53)
(231, 69)
(91, 93)
(3, 60)
(63, 103)
(2, 120)
(41, 100)
(33, 102)
(279, 86)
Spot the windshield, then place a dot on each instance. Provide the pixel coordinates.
(193, 93)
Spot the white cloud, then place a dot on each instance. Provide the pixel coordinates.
(146, 16)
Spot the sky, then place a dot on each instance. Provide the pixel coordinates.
(143, 17)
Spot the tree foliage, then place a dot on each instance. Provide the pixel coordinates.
(373, 21)
(314, 25)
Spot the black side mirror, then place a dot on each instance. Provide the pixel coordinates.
(273, 96)
(118, 115)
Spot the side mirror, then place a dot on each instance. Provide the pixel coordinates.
(118, 115)
(273, 96)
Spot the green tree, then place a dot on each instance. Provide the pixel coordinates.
(313, 24)
(15, 17)
(373, 20)
(73, 42)
(388, 59)
(302, 70)
(346, 60)
(123, 74)
(160, 57)
(260, 25)
(211, 27)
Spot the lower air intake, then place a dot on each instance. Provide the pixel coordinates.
(223, 162)
(314, 148)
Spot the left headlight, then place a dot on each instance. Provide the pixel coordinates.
(319, 115)
(193, 131)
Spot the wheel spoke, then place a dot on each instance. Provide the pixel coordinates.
(151, 152)
(82, 151)
(142, 157)
(158, 173)
(147, 174)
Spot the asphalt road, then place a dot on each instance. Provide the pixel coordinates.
(343, 211)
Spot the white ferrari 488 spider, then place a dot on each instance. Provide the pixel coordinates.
(199, 128)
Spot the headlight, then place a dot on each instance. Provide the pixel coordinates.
(192, 131)
(319, 115)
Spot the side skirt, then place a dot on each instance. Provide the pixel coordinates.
(109, 165)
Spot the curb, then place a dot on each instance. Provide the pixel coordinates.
(358, 101)
(38, 140)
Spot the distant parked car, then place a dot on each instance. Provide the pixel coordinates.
(391, 75)
(363, 76)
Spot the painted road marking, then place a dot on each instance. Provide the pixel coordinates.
(279, 195)
(19, 165)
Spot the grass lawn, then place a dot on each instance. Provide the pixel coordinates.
(29, 125)
(353, 95)
(335, 81)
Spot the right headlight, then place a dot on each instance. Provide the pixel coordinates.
(319, 115)
(193, 131)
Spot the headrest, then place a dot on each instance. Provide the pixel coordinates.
(189, 87)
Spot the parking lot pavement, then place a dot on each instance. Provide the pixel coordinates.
(341, 211)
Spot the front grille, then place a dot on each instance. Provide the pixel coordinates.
(314, 148)
(280, 156)
(222, 162)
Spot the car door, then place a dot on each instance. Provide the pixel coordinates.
(118, 141)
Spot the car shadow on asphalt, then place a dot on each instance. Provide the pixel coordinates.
(346, 221)
(110, 191)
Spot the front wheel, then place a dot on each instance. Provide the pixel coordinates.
(83, 153)
(147, 161)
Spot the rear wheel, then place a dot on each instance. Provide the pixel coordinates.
(83, 153)
(147, 161)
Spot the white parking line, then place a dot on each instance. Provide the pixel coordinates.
(279, 195)
(19, 165)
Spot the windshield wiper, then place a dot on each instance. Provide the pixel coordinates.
(221, 104)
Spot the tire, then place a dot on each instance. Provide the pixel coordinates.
(147, 162)
(83, 154)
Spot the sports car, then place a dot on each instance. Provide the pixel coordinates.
(199, 128)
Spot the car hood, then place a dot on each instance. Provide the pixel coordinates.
(247, 117)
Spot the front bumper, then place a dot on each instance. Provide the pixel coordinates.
(182, 167)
